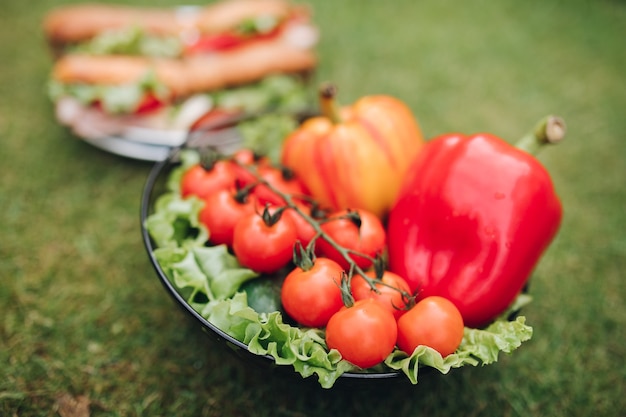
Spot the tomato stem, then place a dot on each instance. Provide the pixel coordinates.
(269, 218)
(208, 160)
(328, 104)
(242, 193)
(345, 253)
(379, 267)
(304, 258)
(549, 130)
(287, 173)
(346, 294)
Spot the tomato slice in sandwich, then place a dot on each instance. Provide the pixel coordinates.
(226, 41)
(214, 43)
(149, 103)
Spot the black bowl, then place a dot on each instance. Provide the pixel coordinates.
(156, 186)
(222, 135)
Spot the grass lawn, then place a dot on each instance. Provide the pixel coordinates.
(83, 316)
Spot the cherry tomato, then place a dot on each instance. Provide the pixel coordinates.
(264, 241)
(244, 156)
(363, 234)
(281, 179)
(393, 291)
(312, 296)
(201, 182)
(243, 160)
(365, 334)
(222, 211)
(435, 322)
(304, 230)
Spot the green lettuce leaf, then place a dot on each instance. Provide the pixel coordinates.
(130, 41)
(187, 159)
(222, 270)
(175, 223)
(281, 93)
(306, 351)
(115, 99)
(266, 134)
(266, 334)
(211, 271)
(479, 347)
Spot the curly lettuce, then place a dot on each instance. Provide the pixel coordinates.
(131, 41)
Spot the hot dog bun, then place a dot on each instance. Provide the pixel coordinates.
(102, 92)
(75, 23)
(191, 75)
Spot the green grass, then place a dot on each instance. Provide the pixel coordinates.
(81, 311)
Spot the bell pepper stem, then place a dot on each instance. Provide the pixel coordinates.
(549, 130)
(328, 104)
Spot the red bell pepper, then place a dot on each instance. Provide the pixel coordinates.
(473, 218)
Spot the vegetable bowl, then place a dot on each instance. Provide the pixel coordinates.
(156, 185)
(212, 288)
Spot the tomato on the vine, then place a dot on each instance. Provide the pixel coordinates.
(365, 333)
(264, 241)
(304, 230)
(245, 162)
(201, 181)
(435, 322)
(393, 291)
(244, 156)
(358, 231)
(280, 178)
(312, 295)
(222, 211)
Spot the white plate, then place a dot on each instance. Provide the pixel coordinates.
(130, 149)
(127, 136)
(225, 140)
(149, 136)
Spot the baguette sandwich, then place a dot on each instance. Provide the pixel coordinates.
(110, 76)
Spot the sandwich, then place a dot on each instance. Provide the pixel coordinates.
(115, 29)
(120, 68)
